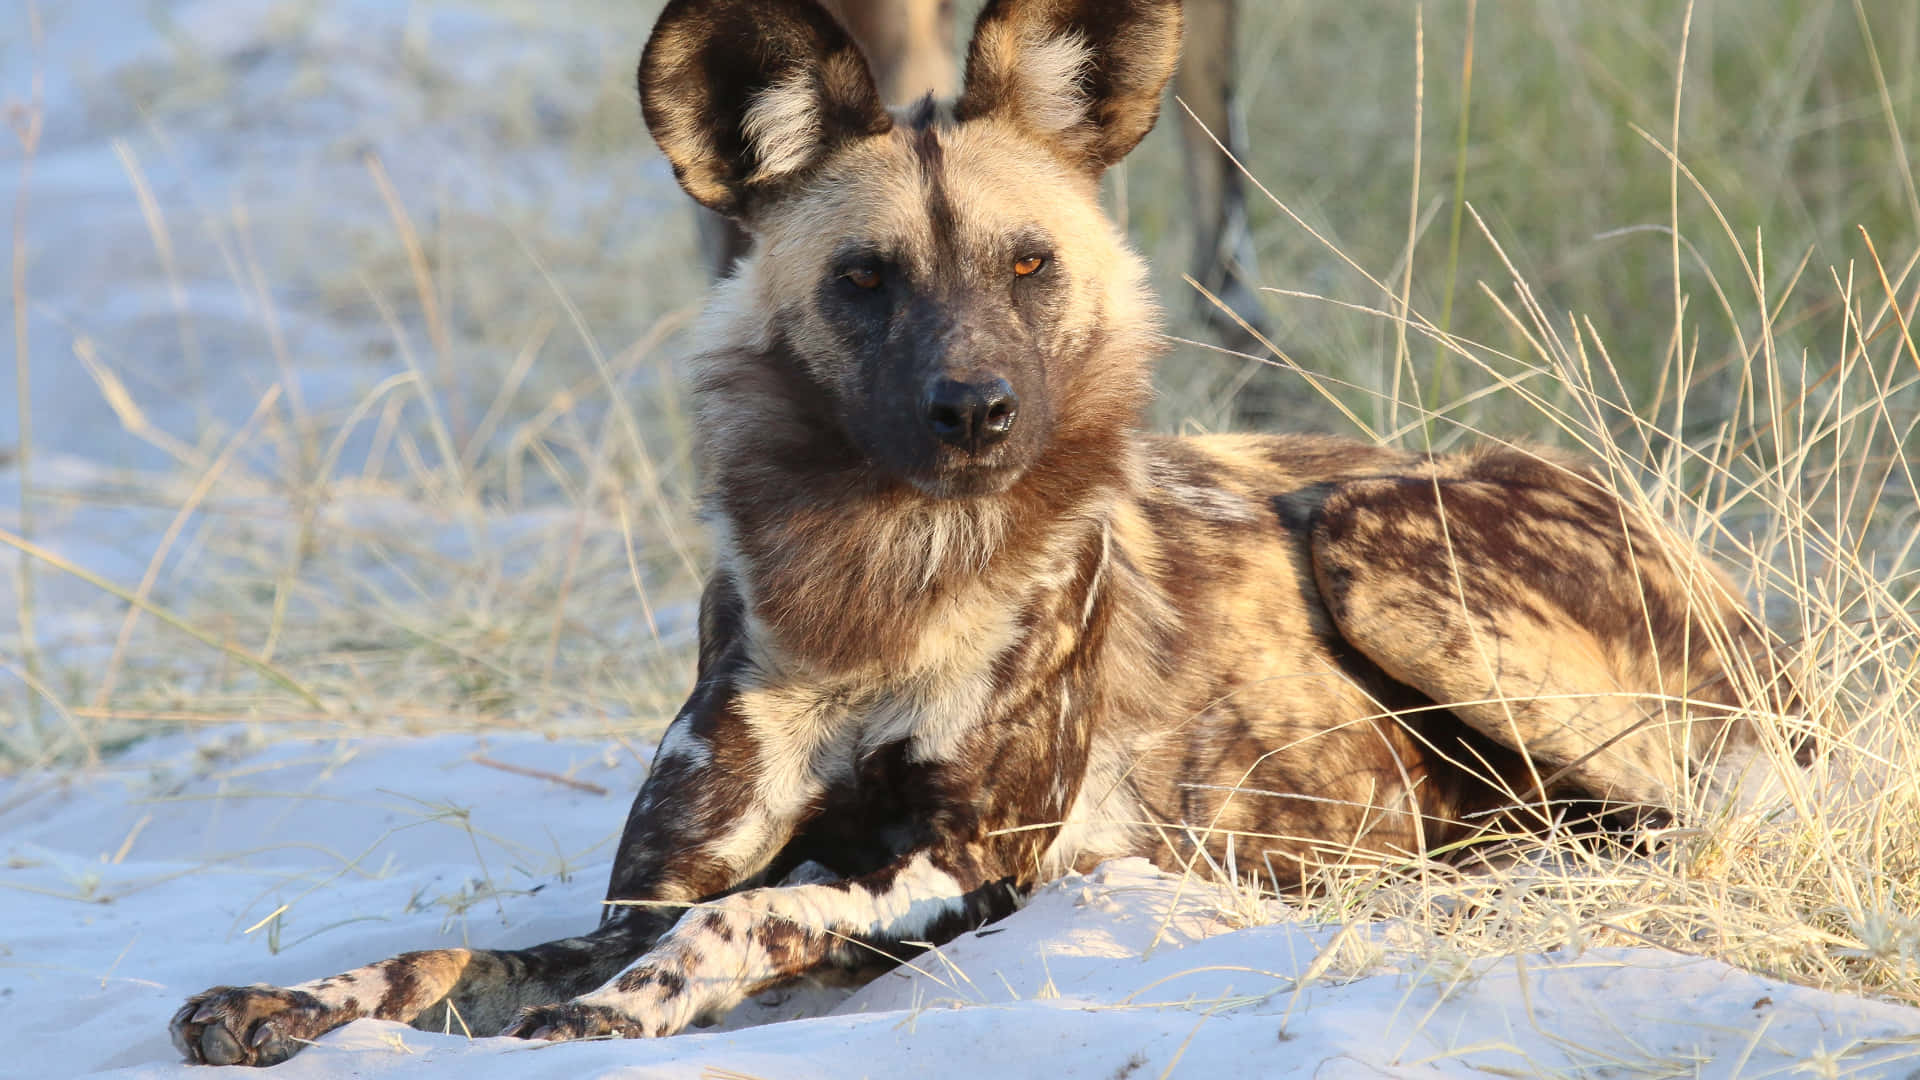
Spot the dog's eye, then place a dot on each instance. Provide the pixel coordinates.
(1029, 266)
(863, 277)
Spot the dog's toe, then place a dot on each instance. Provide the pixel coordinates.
(219, 1047)
(269, 1044)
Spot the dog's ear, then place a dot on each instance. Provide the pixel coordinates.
(1084, 74)
(747, 96)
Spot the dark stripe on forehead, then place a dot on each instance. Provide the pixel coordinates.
(926, 148)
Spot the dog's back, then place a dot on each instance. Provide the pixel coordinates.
(1347, 651)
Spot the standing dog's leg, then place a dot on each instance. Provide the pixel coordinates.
(1223, 255)
(696, 830)
(722, 243)
(1523, 597)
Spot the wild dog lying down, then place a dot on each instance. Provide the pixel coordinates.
(969, 627)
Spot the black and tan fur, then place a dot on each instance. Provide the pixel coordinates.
(970, 628)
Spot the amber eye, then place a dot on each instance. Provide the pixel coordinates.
(863, 277)
(1028, 266)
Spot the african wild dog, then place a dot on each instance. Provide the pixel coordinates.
(969, 628)
(909, 45)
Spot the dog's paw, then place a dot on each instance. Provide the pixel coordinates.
(572, 1020)
(249, 1025)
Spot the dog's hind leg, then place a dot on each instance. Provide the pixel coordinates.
(1522, 596)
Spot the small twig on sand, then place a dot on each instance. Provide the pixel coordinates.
(538, 774)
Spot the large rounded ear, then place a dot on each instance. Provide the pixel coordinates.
(1084, 74)
(747, 96)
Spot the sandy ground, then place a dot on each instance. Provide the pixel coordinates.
(128, 888)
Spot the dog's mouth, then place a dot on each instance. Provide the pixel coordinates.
(967, 478)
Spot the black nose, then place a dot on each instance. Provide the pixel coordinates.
(971, 416)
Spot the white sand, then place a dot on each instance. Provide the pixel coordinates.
(125, 890)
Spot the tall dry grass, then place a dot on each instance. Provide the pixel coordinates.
(1742, 361)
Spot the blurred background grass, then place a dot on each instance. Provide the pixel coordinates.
(1781, 120)
(395, 443)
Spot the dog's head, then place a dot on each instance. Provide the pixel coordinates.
(941, 278)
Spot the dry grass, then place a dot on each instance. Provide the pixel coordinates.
(1685, 247)
(1776, 429)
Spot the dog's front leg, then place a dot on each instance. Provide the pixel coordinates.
(699, 827)
(722, 952)
(690, 836)
(676, 851)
